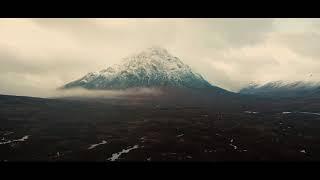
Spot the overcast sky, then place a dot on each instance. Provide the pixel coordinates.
(39, 55)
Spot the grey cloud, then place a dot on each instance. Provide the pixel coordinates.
(85, 30)
(12, 63)
(66, 49)
(243, 70)
(242, 32)
(306, 44)
(224, 32)
(101, 31)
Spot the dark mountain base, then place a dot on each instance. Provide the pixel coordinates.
(215, 129)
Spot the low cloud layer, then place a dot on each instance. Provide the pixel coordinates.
(39, 55)
(81, 92)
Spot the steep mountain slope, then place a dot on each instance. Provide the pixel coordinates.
(284, 89)
(154, 67)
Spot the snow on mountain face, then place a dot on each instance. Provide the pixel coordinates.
(283, 89)
(151, 68)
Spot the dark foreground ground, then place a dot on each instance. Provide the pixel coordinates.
(64, 130)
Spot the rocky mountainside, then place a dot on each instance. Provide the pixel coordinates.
(154, 67)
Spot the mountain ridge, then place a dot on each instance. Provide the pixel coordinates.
(154, 67)
(283, 88)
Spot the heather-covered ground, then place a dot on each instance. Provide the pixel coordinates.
(133, 129)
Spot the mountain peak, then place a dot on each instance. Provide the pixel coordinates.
(153, 51)
(153, 67)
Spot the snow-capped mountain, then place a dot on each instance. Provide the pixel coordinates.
(283, 89)
(154, 67)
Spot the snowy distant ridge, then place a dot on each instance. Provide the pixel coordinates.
(283, 88)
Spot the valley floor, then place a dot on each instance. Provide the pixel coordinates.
(67, 130)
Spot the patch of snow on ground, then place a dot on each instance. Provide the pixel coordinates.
(302, 113)
(303, 151)
(143, 139)
(16, 140)
(58, 155)
(180, 135)
(208, 151)
(251, 112)
(310, 113)
(116, 156)
(8, 133)
(234, 146)
(95, 145)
